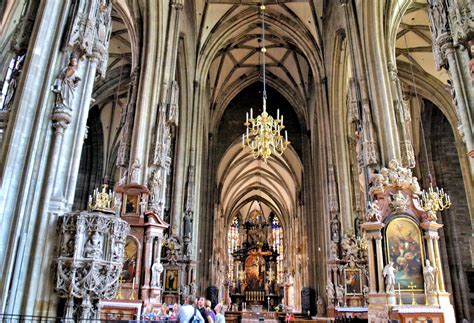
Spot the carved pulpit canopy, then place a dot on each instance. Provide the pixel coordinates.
(395, 191)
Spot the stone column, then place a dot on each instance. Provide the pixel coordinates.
(437, 262)
(372, 265)
(431, 236)
(378, 244)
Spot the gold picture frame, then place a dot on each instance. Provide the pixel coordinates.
(353, 281)
(405, 250)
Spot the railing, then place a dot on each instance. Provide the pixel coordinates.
(105, 317)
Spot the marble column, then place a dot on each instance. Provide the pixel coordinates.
(380, 266)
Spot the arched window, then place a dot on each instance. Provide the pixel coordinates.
(277, 237)
(233, 242)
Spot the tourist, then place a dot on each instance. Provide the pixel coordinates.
(220, 318)
(188, 313)
(202, 309)
(211, 316)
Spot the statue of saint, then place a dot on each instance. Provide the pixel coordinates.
(135, 172)
(66, 84)
(156, 271)
(340, 294)
(330, 291)
(429, 274)
(93, 248)
(389, 274)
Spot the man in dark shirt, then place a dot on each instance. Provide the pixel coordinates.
(202, 309)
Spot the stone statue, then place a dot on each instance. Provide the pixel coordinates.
(320, 306)
(429, 274)
(66, 84)
(340, 295)
(154, 184)
(365, 292)
(184, 291)
(93, 248)
(193, 288)
(373, 212)
(143, 205)
(135, 172)
(330, 291)
(389, 274)
(156, 271)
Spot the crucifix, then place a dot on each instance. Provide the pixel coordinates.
(412, 287)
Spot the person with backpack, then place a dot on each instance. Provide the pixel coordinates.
(188, 313)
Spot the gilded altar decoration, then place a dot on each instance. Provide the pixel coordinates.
(404, 249)
(102, 201)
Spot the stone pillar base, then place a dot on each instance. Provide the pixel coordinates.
(445, 305)
(391, 300)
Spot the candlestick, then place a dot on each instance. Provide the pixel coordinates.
(132, 296)
(399, 296)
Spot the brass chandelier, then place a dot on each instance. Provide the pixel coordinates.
(263, 135)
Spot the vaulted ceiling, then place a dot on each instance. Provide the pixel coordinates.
(414, 43)
(234, 27)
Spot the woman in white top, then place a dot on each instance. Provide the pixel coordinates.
(220, 318)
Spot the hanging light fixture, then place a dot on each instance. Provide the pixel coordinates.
(263, 133)
(434, 199)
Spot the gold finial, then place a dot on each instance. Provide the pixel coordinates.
(262, 7)
(102, 201)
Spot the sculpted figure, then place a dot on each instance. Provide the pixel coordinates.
(429, 274)
(135, 176)
(93, 248)
(156, 271)
(330, 291)
(66, 84)
(340, 294)
(389, 274)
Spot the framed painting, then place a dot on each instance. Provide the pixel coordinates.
(131, 204)
(130, 263)
(405, 250)
(353, 281)
(171, 280)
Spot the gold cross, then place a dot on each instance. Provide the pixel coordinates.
(412, 287)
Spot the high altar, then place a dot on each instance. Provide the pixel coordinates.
(254, 266)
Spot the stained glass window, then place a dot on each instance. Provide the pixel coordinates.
(233, 242)
(277, 235)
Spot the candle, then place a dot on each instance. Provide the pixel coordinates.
(282, 120)
(251, 113)
(278, 113)
(246, 117)
(133, 284)
(242, 139)
(286, 133)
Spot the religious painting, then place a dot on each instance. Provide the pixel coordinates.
(405, 250)
(171, 280)
(131, 204)
(353, 282)
(130, 264)
(254, 272)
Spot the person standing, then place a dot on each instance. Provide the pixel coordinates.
(220, 318)
(188, 313)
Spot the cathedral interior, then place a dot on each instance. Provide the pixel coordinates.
(312, 157)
